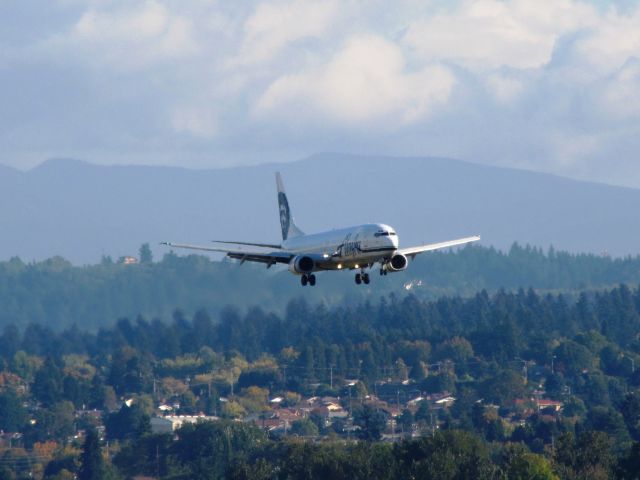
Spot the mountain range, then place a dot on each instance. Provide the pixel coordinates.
(83, 211)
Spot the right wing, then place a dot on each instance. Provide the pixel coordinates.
(270, 258)
(413, 251)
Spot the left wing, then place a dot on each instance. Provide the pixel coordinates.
(413, 251)
(270, 258)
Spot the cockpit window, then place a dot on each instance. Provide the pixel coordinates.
(384, 234)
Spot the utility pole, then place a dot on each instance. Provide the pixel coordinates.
(157, 462)
(525, 370)
(398, 406)
(331, 376)
(633, 363)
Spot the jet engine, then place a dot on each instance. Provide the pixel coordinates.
(301, 264)
(397, 263)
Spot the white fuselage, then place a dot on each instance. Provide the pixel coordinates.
(352, 247)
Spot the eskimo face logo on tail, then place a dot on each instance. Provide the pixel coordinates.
(285, 217)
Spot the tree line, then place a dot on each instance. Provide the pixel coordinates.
(492, 352)
(56, 293)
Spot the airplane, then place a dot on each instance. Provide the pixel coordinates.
(353, 248)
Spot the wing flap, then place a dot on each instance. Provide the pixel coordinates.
(413, 251)
(265, 245)
(269, 258)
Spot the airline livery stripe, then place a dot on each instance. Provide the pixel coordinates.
(382, 249)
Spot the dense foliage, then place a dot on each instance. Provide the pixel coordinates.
(497, 354)
(58, 294)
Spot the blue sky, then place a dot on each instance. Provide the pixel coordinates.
(548, 85)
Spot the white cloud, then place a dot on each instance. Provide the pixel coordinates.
(274, 25)
(365, 81)
(197, 121)
(610, 41)
(621, 96)
(504, 88)
(486, 80)
(131, 36)
(488, 34)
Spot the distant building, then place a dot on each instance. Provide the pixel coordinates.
(171, 423)
(544, 403)
(445, 402)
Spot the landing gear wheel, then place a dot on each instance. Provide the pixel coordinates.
(304, 280)
(312, 279)
(365, 278)
(381, 272)
(358, 278)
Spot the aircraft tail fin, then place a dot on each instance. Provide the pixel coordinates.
(289, 228)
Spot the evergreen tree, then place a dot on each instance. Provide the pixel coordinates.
(145, 254)
(371, 421)
(6, 474)
(629, 465)
(91, 461)
(13, 415)
(128, 422)
(48, 383)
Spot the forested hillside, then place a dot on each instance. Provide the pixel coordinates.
(58, 294)
(509, 385)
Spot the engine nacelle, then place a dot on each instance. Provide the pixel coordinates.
(397, 263)
(302, 264)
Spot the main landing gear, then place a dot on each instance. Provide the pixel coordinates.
(310, 279)
(362, 278)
